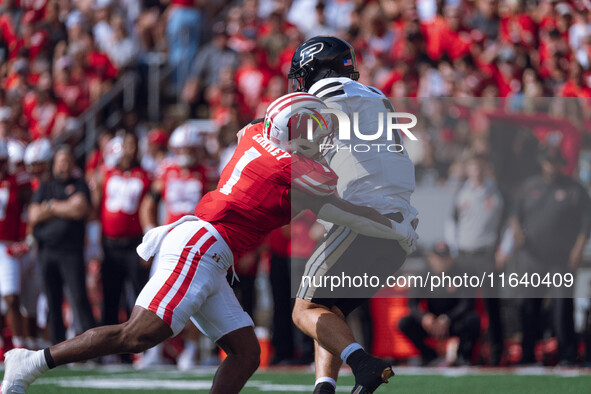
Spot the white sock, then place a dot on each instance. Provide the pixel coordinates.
(326, 379)
(349, 350)
(39, 361)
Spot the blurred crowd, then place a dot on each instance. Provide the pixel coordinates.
(228, 61)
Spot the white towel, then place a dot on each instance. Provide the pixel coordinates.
(153, 239)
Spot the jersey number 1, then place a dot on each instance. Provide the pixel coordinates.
(248, 156)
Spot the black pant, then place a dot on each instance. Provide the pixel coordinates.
(495, 329)
(120, 263)
(467, 328)
(563, 325)
(245, 291)
(59, 268)
(286, 337)
(344, 253)
(476, 264)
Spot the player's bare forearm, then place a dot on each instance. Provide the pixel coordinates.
(363, 220)
(148, 213)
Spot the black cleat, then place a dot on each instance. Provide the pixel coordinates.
(324, 388)
(371, 374)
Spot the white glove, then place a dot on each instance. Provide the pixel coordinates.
(406, 231)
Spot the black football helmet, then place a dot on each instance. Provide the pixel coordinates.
(322, 57)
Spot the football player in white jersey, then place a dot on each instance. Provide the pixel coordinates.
(381, 178)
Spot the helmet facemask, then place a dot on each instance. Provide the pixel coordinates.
(297, 81)
(309, 130)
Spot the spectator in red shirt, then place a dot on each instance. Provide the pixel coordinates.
(71, 85)
(575, 86)
(251, 78)
(118, 194)
(97, 66)
(10, 17)
(446, 36)
(516, 26)
(32, 39)
(40, 109)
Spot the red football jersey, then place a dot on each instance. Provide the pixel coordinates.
(252, 197)
(183, 188)
(122, 194)
(10, 209)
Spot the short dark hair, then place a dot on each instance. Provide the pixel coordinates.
(64, 148)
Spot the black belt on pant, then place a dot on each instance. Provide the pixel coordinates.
(123, 242)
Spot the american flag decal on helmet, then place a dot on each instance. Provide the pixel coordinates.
(348, 62)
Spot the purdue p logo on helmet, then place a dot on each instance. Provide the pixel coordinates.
(322, 57)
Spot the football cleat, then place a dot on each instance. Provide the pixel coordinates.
(22, 367)
(324, 388)
(372, 374)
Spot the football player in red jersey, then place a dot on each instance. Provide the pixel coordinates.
(269, 178)
(30, 275)
(12, 199)
(37, 157)
(118, 194)
(180, 181)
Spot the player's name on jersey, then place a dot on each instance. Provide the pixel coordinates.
(269, 147)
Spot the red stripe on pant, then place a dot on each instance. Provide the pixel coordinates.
(168, 311)
(176, 272)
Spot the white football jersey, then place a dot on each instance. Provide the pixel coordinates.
(381, 179)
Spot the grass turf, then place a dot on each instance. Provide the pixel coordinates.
(457, 381)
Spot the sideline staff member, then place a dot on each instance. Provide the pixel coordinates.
(551, 223)
(57, 213)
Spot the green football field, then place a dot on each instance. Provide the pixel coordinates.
(125, 380)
